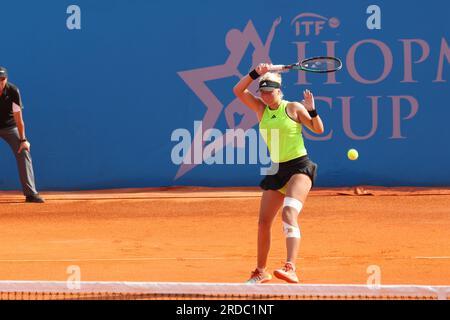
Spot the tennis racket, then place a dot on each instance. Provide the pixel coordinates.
(315, 64)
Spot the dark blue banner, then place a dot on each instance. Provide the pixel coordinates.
(139, 93)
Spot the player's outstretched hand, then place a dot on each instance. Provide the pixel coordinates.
(308, 102)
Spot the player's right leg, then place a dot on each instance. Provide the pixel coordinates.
(296, 193)
(271, 202)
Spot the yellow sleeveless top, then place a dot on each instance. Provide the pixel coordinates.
(282, 135)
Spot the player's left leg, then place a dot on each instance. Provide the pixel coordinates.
(271, 202)
(297, 191)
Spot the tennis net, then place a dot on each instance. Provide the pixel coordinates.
(61, 290)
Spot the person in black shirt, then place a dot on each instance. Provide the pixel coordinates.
(12, 130)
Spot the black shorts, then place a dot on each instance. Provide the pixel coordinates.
(286, 170)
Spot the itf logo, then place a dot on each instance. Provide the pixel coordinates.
(311, 23)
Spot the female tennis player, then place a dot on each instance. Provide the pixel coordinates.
(280, 124)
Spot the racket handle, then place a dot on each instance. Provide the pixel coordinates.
(277, 67)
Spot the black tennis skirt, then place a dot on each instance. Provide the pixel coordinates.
(286, 170)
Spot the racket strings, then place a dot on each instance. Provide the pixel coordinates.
(321, 64)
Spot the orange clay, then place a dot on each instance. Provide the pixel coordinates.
(209, 235)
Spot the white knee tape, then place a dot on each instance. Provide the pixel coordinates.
(291, 231)
(294, 203)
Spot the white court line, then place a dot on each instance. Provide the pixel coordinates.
(199, 258)
(443, 257)
(117, 259)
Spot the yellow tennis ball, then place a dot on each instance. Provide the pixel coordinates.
(352, 154)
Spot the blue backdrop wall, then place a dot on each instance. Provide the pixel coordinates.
(111, 88)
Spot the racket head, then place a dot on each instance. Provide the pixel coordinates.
(321, 64)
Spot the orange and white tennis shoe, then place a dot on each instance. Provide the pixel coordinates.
(287, 273)
(258, 277)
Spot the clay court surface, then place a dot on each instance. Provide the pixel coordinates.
(209, 235)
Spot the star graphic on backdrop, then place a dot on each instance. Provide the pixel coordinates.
(237, 43)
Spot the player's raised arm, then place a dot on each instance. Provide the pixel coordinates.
(241, 88)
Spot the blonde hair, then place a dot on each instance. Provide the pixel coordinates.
(272, 76)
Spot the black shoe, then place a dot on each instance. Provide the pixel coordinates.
(34, 199)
